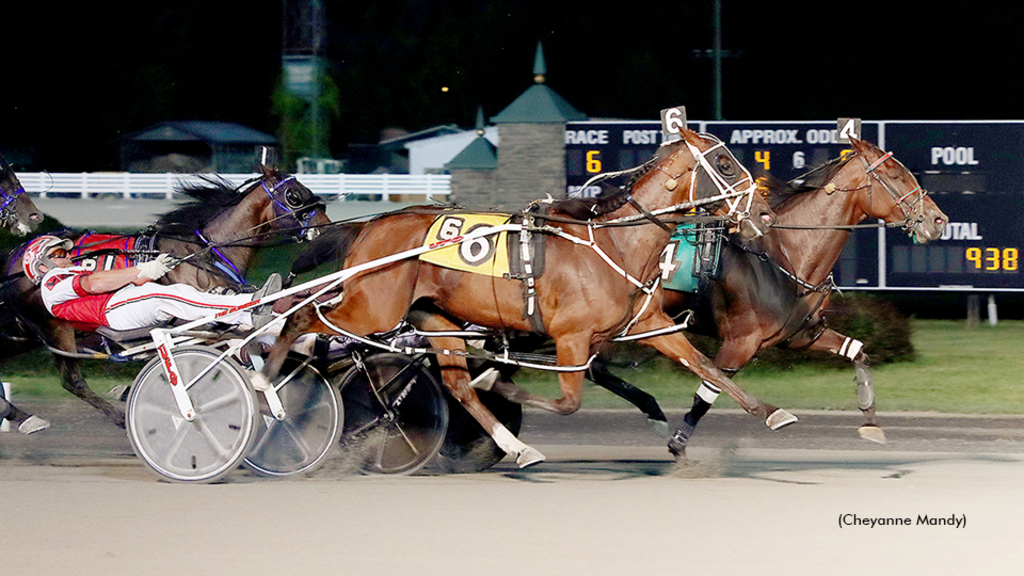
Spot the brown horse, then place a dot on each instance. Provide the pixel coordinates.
(216, 235)
(775, 294)
(600, 281)
(18, 214)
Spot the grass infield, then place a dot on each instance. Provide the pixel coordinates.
(958, 369)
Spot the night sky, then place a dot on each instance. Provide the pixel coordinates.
(81, 75)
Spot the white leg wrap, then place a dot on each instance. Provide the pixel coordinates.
(485, 380)
(851, 348)
(524, 454)
(708, 392)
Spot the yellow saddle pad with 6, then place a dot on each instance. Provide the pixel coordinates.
(485, 255)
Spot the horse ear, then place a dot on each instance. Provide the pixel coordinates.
(861, 146)
(691, 136)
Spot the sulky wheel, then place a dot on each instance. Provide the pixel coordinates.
(211, 445)
(467, 447)
(395, 414)
(313, 416)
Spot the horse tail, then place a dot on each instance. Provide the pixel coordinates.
(332, 245)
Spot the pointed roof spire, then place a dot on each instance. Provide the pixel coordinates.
(480, 154)
(540, 69)
(539, 104)
(480, 120)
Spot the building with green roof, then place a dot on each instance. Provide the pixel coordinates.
(529, 162)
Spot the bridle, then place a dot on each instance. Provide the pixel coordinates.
(911, 204)
(293, 206)
(8, 208)
(913, 212)
(729, 192)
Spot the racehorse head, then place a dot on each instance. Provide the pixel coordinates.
(18, 213)
(291, 205)
(723, 175)
(894, 194)
(699, 170)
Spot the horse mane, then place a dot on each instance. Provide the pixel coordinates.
(778, 192)
(210, 197)
(610, 200)
(613, 197)
(331, 245)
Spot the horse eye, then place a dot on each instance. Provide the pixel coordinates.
(293, 198)
(725, 166)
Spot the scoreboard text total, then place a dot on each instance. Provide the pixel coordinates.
(974, 171)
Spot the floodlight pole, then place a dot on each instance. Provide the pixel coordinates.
(716, 54)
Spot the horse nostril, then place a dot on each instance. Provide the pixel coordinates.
(36, 217)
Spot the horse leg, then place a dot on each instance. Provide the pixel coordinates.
(455, 375)
(27, 423)
(72, 381)
(599, 374)
(853, 350)
(302, 321)
(733, 355)
(572, 351)
(677, 347)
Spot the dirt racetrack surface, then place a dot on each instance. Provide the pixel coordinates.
(945, 496)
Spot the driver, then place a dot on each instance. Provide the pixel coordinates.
(127, 298)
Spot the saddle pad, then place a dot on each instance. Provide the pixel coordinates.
(689, 255)
(480, 256)
(113, 251)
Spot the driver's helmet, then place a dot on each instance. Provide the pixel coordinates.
(38, 253)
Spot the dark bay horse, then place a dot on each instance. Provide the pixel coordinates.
(774, 293)
(18, 214)
(600, 281)
(216, 235)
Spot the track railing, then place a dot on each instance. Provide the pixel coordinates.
(87, 185)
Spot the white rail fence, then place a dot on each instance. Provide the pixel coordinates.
(86, 185)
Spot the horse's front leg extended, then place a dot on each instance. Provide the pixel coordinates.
(677, 347)
(733, 355)
(853, 350)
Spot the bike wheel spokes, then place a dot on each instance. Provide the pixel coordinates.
(215, 441)
(396, 414)
(302, 441)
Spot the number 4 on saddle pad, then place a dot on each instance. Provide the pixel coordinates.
(692, 253)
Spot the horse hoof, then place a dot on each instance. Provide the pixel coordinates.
(872, 434)
(529, 457)
(659, 427)
(32, 425)
(780, 418)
